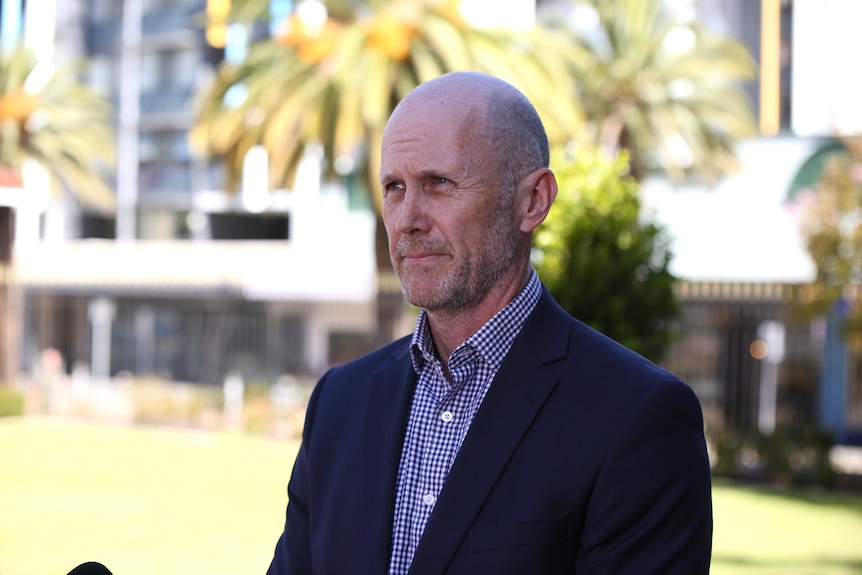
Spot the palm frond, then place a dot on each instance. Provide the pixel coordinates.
(343, 97)
(649, 95)
(63, 126)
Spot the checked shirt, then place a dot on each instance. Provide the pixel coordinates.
(441, 413)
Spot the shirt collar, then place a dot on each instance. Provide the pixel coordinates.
(493, 339)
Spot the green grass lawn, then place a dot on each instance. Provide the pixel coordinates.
(140, 500)
(151, 500)
(763, 531)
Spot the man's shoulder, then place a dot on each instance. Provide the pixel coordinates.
(589, 348)
(344, 386)
(391, 352)
(373, 361)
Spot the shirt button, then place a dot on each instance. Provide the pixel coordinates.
(447, 416)
(429, 499)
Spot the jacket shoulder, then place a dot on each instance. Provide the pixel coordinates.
(581, 349)
(378, 359)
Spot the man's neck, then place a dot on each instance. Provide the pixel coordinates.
(449, 329)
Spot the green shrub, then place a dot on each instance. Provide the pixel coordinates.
(603, 262)
(789, 455)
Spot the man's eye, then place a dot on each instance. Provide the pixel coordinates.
(393, 187)
(437, 182)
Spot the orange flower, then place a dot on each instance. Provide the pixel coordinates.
(313, 45)
(17, 106)
(391, 35)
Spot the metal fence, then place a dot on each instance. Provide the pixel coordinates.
(756, 361)
(200, 338)
(751, 360)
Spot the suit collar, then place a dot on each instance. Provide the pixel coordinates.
(515, 398)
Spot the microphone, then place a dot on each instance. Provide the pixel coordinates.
(90, 568)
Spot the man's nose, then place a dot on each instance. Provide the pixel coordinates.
(412, 213)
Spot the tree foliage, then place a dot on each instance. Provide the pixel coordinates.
(337, 84)
(668, 91)
(832, 228)
(47, 115)
(600, 261)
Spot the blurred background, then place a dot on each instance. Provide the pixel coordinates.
(190, 236)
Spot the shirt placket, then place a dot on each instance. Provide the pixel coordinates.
(444, 427)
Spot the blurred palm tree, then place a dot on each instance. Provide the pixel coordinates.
(336, 84)
(670, 93)
(48, 117)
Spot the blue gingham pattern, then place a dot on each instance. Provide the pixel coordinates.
(440, 415)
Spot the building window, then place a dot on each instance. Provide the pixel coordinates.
(97, 226)
(103, 11)
(239, 226)
(102, 74)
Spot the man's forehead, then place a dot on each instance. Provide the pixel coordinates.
(420, 151)
(423, 145)
(453, 114)
(453, 105)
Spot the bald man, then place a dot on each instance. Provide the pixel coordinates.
(503, 436)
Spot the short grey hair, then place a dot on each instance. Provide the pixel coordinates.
(515, 132)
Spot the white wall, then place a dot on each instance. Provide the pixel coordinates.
(742, 228)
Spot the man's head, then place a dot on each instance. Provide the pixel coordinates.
(465, 182)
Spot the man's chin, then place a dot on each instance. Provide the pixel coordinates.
(420, 295)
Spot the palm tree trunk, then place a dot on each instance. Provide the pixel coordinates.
(8, 347)
(390, 301)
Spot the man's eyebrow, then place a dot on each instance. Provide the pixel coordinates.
(436, 172)
(425, 173)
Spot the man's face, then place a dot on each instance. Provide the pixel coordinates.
(451, 231)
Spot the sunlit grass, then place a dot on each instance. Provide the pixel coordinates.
(761, 531)
(140, 500)
(154, 500)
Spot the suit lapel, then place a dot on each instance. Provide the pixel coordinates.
(515, 397)
(388, 409)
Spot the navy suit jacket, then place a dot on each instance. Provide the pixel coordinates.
(583, 458)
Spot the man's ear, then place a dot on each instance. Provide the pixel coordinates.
(537, 192)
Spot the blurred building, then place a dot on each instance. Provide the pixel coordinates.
(737, 242)
(191, 282)
(185, 280)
